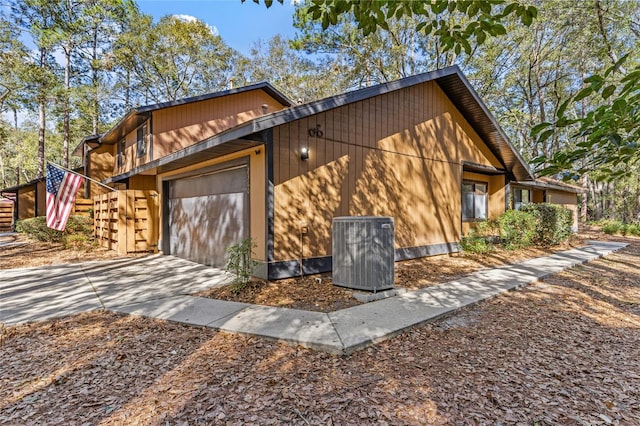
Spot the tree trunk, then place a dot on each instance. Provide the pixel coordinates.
(94, 81)
(583, 201)
(41, 120)
(67, 78)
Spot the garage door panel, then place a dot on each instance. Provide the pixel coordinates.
(201, 227)
(226, 182)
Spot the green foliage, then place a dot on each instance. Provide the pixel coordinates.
(77, 234)
(607, 136)
(552, 223)
(240, 263)
(480, 238)
(616, 227)
(611, 227)
(485, 18)
(517, 229)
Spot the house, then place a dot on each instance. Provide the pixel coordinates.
(246, 162)
(30, 200)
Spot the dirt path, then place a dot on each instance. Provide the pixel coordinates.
(564, 351)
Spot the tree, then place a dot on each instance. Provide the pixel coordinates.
(37, 18)
(485, 17)
(608, 134)
(174, 58)
(298, 77)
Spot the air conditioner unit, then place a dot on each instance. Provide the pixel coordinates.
(363, 252)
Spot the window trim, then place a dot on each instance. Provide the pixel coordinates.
(486, 200)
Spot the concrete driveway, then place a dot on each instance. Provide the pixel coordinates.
(33, 294)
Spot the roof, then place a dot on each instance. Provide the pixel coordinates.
(549, 183)
(16, 188)
(137, 116)
(450, 79)
(77, 151)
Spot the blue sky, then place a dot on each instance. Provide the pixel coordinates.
(239, 24)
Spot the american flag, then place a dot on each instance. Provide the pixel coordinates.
(62, 187)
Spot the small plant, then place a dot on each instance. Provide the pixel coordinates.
(633, 229)
(479, 240)
(77, 242)
(612, 227)
(240, 263)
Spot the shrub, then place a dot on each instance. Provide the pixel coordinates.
(480, 238)
(240, 263)
(553, 223)
(78, 227)
(633, 229)
(517, 229)
(612, 227)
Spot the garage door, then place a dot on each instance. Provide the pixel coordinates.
(207, 214)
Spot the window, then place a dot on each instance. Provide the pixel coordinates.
(143, 137)
(120, 156)
(521, 197)
(474, 200)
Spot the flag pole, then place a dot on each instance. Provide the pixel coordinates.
(86, 177)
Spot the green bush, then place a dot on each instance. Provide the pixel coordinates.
(240, 263)
(633, 229)
(517, 229)
(78, 227)
(613, 227)
(479, 239)
(553, 223)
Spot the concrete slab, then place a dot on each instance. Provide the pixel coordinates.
(185, 309)
(158, 287)
(152, 277)
(305, 328)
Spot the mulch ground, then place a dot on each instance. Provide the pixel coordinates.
(563, 351)
(24, 252)
(317, 292)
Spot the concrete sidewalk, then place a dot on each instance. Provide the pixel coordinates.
(35, 294)
(348, 330)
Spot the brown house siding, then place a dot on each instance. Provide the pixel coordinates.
(398, 154)
(99, 167)
(174, 128)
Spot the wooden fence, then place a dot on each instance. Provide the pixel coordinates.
(127, 221)
(82, 207)
(6, 215)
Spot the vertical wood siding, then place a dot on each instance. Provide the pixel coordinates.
(398, 154)
(178, 127)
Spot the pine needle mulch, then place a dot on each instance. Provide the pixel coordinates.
(563, 351)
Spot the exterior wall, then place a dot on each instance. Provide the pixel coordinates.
(27, 202)
(537, 196)
(145, 182)
(565, 199)
(178, 127)
(257, 193)
(398, 154)
(99, 167)
(32, 201)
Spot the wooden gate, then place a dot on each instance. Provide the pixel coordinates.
(127, 221)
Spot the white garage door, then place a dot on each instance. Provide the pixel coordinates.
(207, 214)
